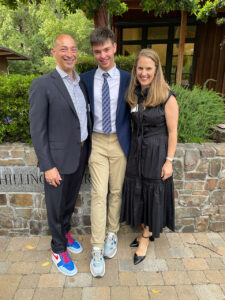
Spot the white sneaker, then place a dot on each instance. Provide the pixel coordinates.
(110, 247)
(97, 265)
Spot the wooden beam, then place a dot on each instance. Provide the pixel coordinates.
(183, 28)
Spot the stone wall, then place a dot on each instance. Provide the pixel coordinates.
(199, 177)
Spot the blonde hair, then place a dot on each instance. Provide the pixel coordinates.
(158, 90)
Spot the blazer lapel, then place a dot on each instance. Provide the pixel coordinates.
(63, 90)
(121, 93)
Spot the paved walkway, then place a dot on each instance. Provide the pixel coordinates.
(178, 266)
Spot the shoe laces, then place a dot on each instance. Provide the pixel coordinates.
(97, 255)
(110, 237)
(69, 238)
(65, 256)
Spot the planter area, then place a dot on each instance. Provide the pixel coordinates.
(199, 178)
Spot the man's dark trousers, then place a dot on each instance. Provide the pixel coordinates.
(60, 203)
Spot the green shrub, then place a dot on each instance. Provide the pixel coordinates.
(199, 110)
(14, 108)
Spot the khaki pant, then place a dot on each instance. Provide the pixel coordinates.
(107, 165)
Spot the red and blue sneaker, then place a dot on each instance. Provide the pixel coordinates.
(64, 263)
(73, 245)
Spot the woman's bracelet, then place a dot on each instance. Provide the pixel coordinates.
(170, 159)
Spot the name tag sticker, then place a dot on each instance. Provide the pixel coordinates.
(134, 109)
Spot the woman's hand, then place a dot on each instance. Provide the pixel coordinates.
(167, 170)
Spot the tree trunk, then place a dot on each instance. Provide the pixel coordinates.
(180, 59)
(100, 16)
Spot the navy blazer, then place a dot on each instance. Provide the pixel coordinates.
(122, 112)
(54, 124)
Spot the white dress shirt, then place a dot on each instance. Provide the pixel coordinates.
(78, 99)
(114, 84)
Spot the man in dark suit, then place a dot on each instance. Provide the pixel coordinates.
(60, 127)
(106, 87)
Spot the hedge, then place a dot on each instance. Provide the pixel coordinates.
(200, 108)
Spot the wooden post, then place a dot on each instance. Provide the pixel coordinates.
(180, 59)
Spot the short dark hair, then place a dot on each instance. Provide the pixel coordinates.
(100, 35)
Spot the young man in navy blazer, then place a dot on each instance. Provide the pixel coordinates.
(106, 87)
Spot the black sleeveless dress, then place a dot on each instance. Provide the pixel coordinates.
(146, 198)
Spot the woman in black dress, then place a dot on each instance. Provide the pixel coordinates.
(148, 198)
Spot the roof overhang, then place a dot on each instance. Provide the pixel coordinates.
(11, 54)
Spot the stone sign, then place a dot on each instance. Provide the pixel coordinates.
(28, 179)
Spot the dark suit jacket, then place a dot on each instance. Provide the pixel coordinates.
(123, 111)
(54, 124)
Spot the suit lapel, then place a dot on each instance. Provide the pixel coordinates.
(121, 93)
(62, 89)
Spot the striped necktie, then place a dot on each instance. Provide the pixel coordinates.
(106, 116)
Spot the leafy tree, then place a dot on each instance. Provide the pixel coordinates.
(32, 28)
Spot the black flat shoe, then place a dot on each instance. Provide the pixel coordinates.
(135, 242)
(138, 259)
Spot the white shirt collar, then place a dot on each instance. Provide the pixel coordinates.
(111, 72)
(65, 75)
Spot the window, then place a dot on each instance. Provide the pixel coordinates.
(164, 39)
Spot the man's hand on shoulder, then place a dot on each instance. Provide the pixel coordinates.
(53, 177)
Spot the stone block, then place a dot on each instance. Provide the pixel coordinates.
(81, 280)
(48, 294)
(178, 184)
(17, 152)
(51, 280)
(178, 169)
(12, 162)
(207, 151)
(194, 185)
(35, 227)
(138, 293)
(30, 158)
(4, 153)
(217, 226)
(203, 166)
(191, 159)
(220, 149)
(218, 217)
(187, 212)
(4, 232)
(180, 151)
(187, 221)
(209, 292)
(6, 212)
(127, 278)
(211, 184)
(118, 292)
(165, 292)
(21, 200)
(210, 210)
(192, 200)
(202, 223)
(222, 183)
(24, 213)
(195, 176)
(3, 200)
(95, 293)
(6, 223)
(222, 209)
(79, 201)
(186, 292)
(143, 278)
(176, 278)
(9, 285)
(86, 220)
(214, 167)
(188, 228)
(218, 197)
(203, 193)
(20, 223)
